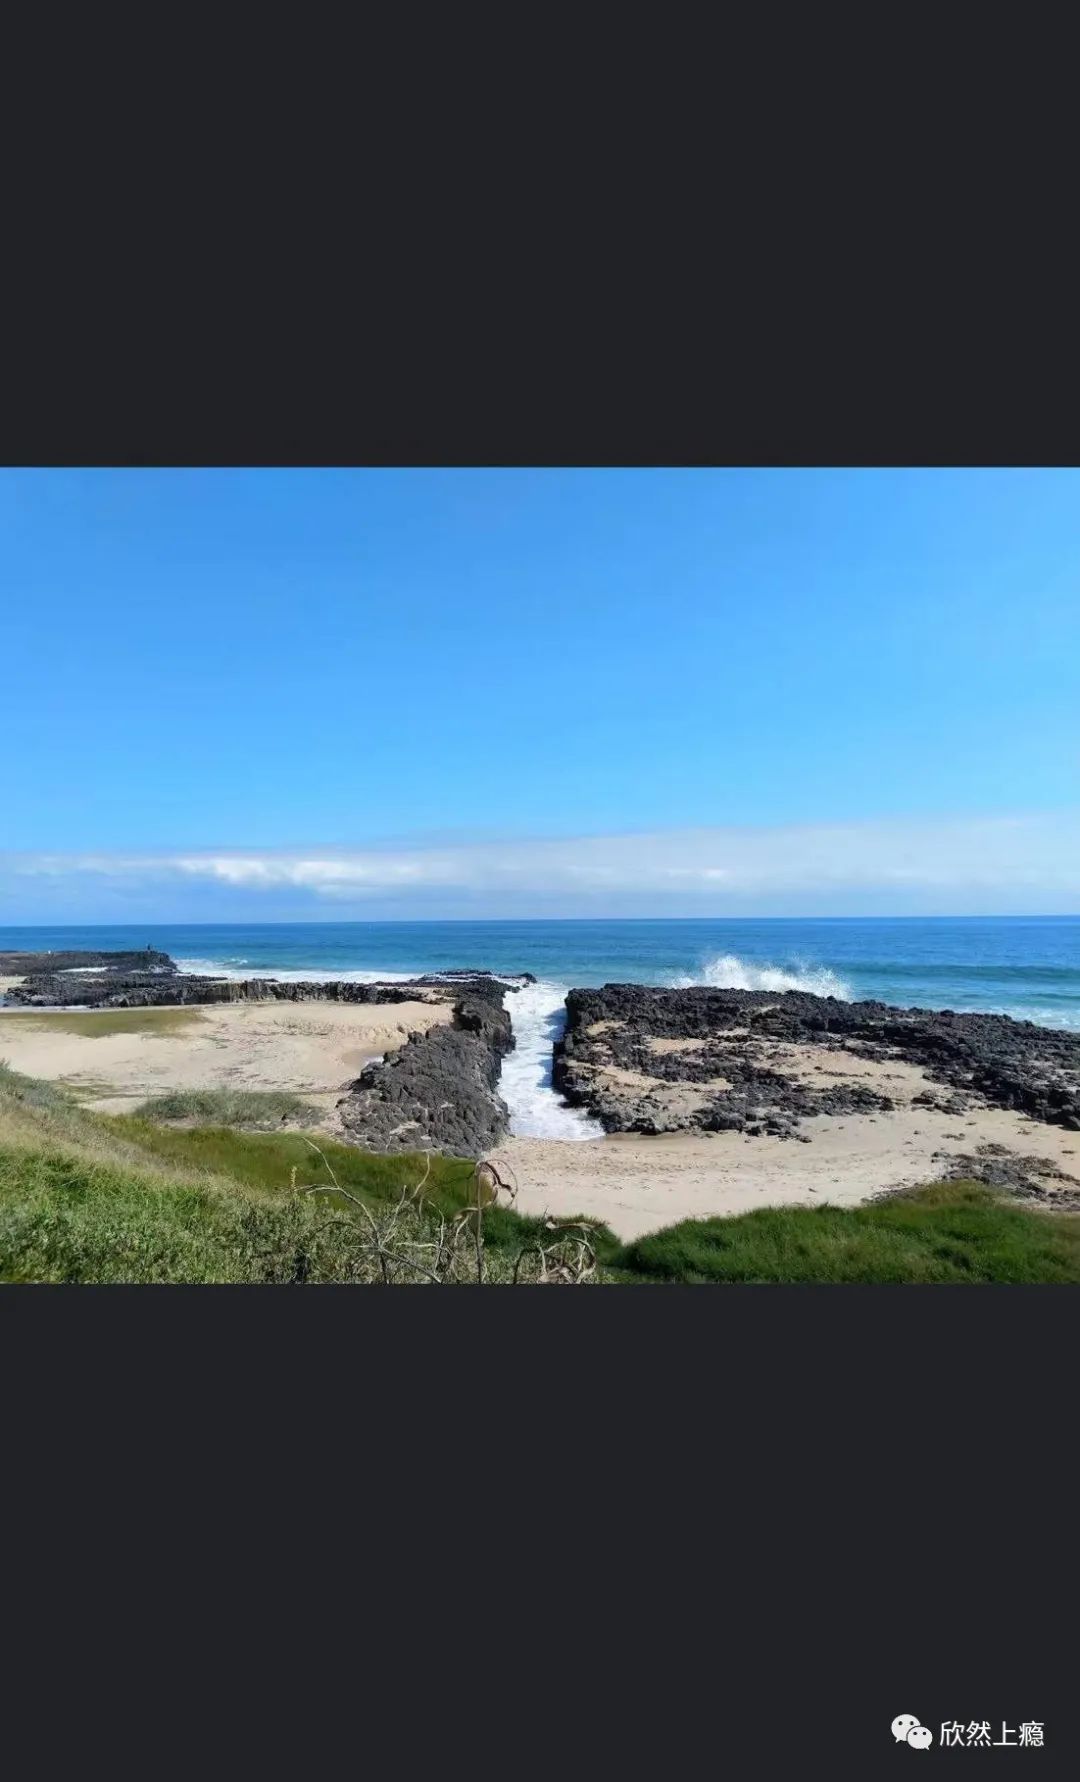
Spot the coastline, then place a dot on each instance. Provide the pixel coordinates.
(675, 1073)
(1026, 967)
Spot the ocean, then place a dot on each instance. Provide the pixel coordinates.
(1025, 966)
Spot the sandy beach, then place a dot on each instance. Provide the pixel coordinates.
(313, 1049)
(639, 1184)
(634, 1182)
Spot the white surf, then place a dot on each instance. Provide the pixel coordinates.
(538, 1016)
(213, 968)
(725, 971)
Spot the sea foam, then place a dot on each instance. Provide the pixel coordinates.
(538, 1016)
(725, 971)
(213, 968)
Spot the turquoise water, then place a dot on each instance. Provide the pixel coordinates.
(1023, 966)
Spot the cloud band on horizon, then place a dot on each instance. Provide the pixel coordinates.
(1029, 860)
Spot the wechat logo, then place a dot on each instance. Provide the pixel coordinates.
(907, 1731)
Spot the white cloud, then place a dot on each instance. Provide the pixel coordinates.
(1028, 861)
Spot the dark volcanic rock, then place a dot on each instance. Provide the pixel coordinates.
(1025, 1178)
(89, 979)
(730, 1038)
(440, 1091)
(17, 965)
(110, 990)
(131, 989)
(474, 979)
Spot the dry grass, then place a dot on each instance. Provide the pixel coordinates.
(251, 1108)
(414, 1240)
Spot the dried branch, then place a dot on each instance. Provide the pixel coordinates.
(570, 1260)
(415, 1237)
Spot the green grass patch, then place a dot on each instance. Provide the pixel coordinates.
(948, 1232)
(266, 1161)
(96, 1022)
(68, 1219)
(91, 1197)
(229, 1107)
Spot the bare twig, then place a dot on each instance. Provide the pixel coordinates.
(570, 1260)
(415, 1237)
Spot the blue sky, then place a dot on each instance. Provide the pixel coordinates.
(255, 694)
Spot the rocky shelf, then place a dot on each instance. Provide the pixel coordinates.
(150, 979)
(639, 1058)
(45, 967)
(662, 1060)
(440, 1091)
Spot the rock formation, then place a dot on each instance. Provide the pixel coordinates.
(440, 1090)
(661, 1060)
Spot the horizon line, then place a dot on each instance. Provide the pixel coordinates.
(490, 921)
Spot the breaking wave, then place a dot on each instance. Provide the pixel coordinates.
(725, 971)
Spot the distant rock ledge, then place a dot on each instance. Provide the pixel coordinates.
(151, 979)
(148, 962)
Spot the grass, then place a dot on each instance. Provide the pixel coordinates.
(947, 1232)
(229, 1107)
(90, 1197)
(264, 1162)
(66, 1219)
(96, 1022)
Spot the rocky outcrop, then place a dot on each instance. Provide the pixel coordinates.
(110, 990)
(440, 1091)
(119, 986)
(1025, 1178)
(137, 991)
(654, 1060)
(47, 965)
(472, 979)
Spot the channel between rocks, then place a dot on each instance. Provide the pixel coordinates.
(464, 1087)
